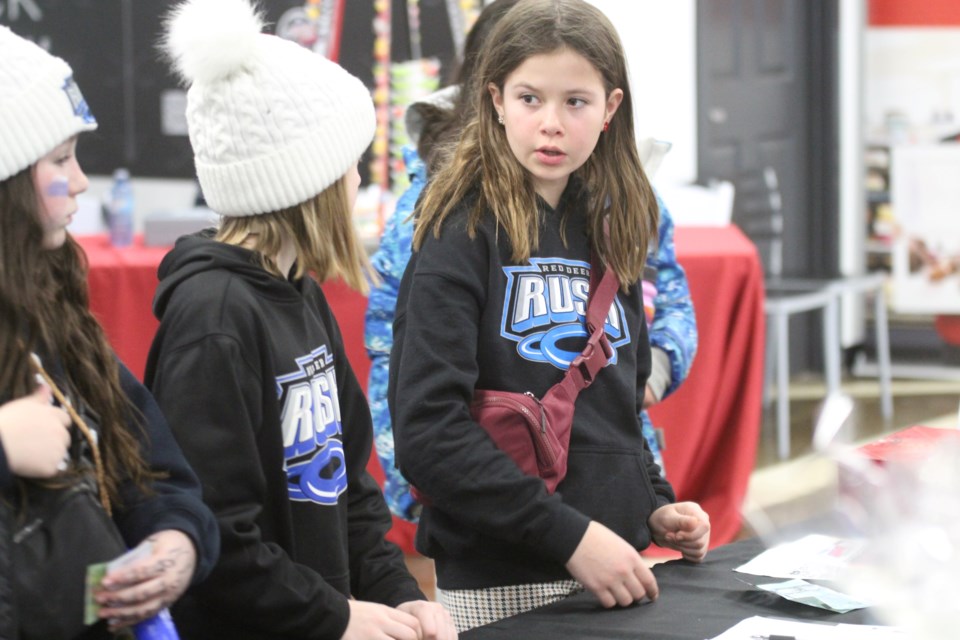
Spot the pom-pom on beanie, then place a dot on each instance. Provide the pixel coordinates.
(40, 104)
(272, 124)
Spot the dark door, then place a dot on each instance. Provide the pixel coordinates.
(765, 98)
(766, 72)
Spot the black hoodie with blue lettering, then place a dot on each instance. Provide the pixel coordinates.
(251, 372)
(469, 317)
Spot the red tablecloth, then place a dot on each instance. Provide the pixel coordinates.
(711, 423)
(122, 283)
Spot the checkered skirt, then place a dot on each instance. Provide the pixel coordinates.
(471, 608)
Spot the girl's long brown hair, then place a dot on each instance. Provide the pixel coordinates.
(44, 308)
(617, 187)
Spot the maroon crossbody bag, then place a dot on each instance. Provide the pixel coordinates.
(535, 432)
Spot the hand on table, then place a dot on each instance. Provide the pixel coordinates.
(139, 590)
(682, 526)
(371, 620)
(611, 569)
(35, 435)
(435, 621)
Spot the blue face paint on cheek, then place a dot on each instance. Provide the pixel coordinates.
(59, 186)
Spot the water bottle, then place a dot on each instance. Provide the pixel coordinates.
(159, 627)
(121, 209)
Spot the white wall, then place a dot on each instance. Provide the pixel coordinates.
(914, 74)
(659, 37)
(852, 21)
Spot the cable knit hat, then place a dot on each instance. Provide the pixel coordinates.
(272, 124)
(40, 104)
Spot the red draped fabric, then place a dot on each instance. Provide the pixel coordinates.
(712, 422)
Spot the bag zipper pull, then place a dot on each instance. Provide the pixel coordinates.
(543, 413)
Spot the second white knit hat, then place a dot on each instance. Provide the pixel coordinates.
(271, 123)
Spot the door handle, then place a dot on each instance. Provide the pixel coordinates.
(717, 115)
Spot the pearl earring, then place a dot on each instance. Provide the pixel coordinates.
(500, 118)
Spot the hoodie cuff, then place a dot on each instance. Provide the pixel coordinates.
(660, 376)
(565, 534)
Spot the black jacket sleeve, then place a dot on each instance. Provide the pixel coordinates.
(377, 569)
(661, 487)
(217, 423)
(6, 477)
(8, 612)
(176, 502)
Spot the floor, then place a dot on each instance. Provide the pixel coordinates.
(782, 493)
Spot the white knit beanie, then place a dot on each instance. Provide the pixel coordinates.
(272, 124)
(40, 104)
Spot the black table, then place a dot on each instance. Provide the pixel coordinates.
(697, 601)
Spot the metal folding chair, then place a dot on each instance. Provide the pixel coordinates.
(786, 297)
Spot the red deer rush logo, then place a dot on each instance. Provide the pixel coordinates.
(545, 307)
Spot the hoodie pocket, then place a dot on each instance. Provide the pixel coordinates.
(612, 487)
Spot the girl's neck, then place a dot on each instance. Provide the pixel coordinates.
(287, 256)
(552, 195)
(284, 258)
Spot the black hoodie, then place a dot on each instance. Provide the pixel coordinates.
(251, 372)
(468, 318)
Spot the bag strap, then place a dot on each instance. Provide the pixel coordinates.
(84, 429)
(597, 352)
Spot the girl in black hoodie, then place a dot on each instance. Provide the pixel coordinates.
(494, 298)
(248, 362)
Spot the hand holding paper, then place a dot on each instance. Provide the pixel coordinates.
(148, 578)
